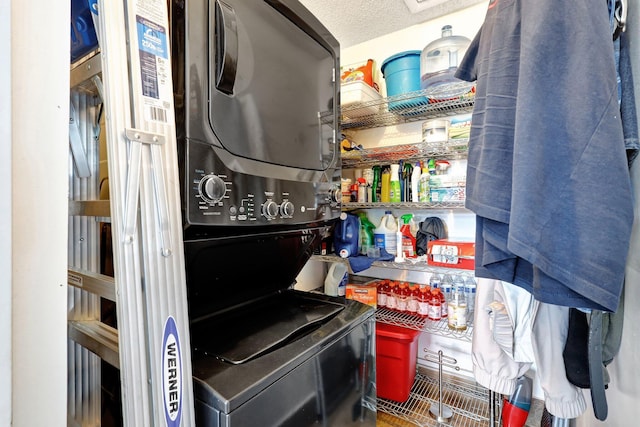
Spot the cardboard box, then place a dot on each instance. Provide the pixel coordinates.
(451, 253)
(365, 293)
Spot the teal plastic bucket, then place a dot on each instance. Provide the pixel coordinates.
(402, 75)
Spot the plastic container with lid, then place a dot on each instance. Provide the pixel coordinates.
(438, 63)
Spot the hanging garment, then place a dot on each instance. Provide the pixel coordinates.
(513, 333)
(547, 170)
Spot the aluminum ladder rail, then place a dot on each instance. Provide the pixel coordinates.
(153, 343)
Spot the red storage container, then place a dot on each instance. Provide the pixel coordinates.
(396, 353)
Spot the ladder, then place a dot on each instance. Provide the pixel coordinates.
(128, 82)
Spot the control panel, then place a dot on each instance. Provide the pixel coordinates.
(219, 196)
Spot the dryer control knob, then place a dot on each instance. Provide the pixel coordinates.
(212, 188)
(270, 209)
(335, 195)
(287, 209)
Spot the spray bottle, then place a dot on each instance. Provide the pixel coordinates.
(407, 237)
(366, 234)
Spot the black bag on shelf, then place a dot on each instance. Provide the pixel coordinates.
(432, 228)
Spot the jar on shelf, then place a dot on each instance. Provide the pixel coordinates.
(457, 307)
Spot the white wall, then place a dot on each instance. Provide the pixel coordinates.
(5, 216)
(34, 115)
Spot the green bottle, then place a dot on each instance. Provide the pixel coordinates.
(377, 175)
(366, 233)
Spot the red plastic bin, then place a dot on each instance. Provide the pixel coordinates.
(396, 353)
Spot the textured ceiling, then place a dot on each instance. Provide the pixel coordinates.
(356, 21)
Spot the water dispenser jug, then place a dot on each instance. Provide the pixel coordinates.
(438, 63)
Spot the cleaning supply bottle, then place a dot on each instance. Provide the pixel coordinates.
(366, 233)
(385, 234)
(385, 188)
(423, 185)
(515, 410)
(394, 184)
(346, 235)
(335, 283)
(408, 239)
(415, 182)
(407, 170)
(377, 181)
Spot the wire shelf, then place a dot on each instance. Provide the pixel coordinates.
(436, 327)
(413, 264)
(405, 108)
(469, 402)
(451, 149)
(454, 204)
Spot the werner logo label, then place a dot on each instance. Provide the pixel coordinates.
(171, 373)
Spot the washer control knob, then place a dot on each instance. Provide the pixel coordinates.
(270, 209)
(212, 188)
(287, 209)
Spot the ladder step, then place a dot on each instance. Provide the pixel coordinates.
(95, 283)
(98, 208)
(82, 74)
(96, 337)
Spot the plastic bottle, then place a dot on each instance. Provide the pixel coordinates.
(414, 299)
(395, 192)
(438, 63)
(362, 190)
(367, 174)
(366, 233)
(434, 281)
(423, 184)
(402, 297)
(423, 302)
(377, 181)
(408, 239)
(407, 170)
(515, 410)
(470, 295)
(336, 281)
(385, 188)
(457, 307)
(385, 234)
(381, 295)
(391, 297)
(346, 235)
(415, 182)
(399, 253)
(435, 305)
